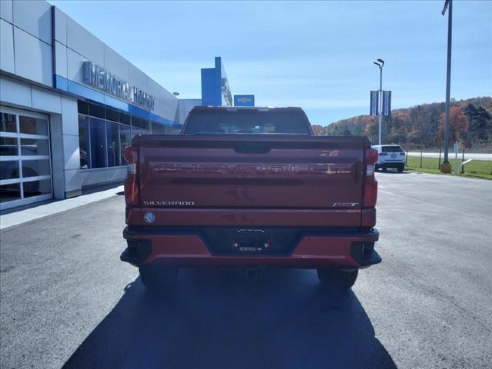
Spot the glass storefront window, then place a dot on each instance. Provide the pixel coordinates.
(98, 143)
(97, 111)
(35, 168)
(34, 147)
(104, 134)
(113, 144)
(25, 164)
(84, 142)
(125, 119)
(36, 188)
(9, 169)
(159, 128)
(140, 126)
(136, 131)
(112, 115)
(102, 141)
(8, 146)
(140, 123)
(83, 107)
(118, 147)
(10, 192)
(125, 139)
(33, 126)
(7, 122)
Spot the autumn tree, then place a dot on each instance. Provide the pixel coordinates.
(480, 120)
(422, 125)
(371, 130)
(458, 125)
(317, 129)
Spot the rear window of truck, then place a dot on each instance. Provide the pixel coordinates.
(247, 122)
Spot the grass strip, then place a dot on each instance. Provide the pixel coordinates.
(475, 168)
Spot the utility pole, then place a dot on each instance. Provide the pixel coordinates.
(448, 4)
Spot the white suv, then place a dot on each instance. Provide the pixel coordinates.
(390, 156)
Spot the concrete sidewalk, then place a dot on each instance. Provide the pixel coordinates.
(10, 219)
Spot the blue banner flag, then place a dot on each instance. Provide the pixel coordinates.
(386, 102)
(374, 108)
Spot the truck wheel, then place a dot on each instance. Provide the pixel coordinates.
(400, 168)
(340, 278)
(158, 278)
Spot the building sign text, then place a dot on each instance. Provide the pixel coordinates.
(103, 80)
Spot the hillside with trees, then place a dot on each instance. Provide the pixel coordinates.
(422, 126)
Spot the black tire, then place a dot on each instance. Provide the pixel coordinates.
(342, 279)
(401, 168)
(158, 278)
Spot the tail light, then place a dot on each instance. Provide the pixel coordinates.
(370, 184)
(131, 185)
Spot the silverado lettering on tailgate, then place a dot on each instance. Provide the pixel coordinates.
(168, 203)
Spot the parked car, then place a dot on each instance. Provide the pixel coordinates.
(390, 156)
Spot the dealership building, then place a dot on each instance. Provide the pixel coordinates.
(69, 104)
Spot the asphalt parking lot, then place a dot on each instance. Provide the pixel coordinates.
(67, 301)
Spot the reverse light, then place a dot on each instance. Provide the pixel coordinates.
(130, 154)
(370, 184)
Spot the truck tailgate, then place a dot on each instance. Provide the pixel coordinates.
(252, 172)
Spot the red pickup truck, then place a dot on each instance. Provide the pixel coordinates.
(249, 188)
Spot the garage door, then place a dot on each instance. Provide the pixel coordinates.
(25, 161)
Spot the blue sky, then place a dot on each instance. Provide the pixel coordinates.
(316, 55)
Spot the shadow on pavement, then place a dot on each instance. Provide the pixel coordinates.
(213, 319)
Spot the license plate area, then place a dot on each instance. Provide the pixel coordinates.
(250, 241)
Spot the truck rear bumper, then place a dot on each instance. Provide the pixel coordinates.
(247, 247)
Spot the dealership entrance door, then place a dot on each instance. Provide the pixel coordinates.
(25, 160)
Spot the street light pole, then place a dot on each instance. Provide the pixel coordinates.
(448, 4)
(380, 64)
